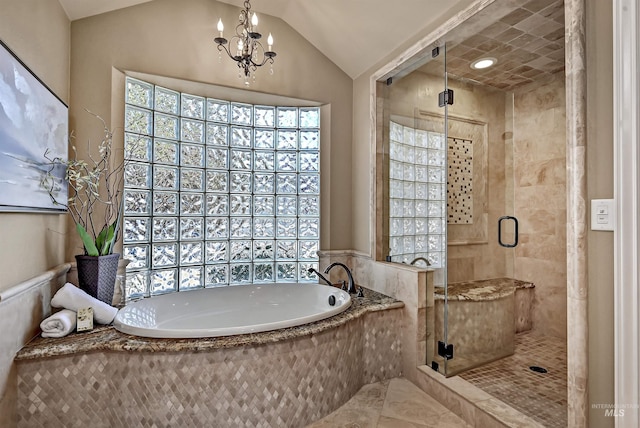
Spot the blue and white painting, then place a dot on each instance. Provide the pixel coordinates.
(33, 121)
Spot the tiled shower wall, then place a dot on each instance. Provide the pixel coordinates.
(476, 253)
(539, 157)
(528, 182)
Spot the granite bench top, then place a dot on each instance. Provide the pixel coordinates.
(482, 290)
(107, 338)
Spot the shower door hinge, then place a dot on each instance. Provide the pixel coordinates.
(445, 97)
(444, 350)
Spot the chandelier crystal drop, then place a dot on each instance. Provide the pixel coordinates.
(245, 47)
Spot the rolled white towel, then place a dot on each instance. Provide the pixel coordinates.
(71, 297)
(59, 324)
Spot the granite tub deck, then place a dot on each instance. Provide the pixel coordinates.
(483, 319)
(288, 377)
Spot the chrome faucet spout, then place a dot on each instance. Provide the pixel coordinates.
(417, 259)
(352, 287)
(320, 276)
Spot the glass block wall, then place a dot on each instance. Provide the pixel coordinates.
(417, 195)
(217, 193)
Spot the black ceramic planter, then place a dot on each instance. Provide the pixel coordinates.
(97, 275)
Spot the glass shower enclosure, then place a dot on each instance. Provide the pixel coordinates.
(447, 157)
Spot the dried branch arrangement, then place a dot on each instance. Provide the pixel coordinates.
(95, 193)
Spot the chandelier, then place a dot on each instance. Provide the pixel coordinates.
(249, 53)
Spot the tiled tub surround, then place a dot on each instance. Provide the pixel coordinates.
(410, 284)
(288, 377)
(483, 318)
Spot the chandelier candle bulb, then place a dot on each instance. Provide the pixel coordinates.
(254, 20)
(220, 27)
(270, 41)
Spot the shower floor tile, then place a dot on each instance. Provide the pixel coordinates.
(542, 396)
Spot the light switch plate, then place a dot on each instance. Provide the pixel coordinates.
(603, 214)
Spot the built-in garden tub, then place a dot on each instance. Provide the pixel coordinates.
(483, 318)
(227, 311)
(286, 377)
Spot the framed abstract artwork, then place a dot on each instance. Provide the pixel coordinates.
(33, 122)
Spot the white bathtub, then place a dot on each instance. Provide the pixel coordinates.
(227, 311)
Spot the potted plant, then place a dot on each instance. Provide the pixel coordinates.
(95, 204)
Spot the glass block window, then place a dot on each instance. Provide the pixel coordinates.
(417, 195)
(217, 192)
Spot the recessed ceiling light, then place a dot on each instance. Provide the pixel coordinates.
(481, 63)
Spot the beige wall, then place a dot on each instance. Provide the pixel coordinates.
(166, 38)
(600, 185)
(38, 33)
(539, 164)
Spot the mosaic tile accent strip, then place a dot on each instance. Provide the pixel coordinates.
(291, 382)
(542, 396)
(460, 182)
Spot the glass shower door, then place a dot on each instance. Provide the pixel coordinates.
(414, 189)
(482, 233)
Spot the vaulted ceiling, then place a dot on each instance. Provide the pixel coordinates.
(357, 34)
(354, 34)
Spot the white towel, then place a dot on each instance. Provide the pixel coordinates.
(71, 297)
(59, 324)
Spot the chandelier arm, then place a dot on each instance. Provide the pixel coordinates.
(222, 47)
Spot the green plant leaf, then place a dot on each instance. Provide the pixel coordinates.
(100, 240)
(87, 241)
(109, 239)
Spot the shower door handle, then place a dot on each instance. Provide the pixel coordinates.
(515, 239)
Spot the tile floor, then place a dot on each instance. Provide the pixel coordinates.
(395, 403)
(542, 396)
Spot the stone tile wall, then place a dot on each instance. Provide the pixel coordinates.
(539, 158)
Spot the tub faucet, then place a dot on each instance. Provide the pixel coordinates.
(417, 259)
(320, 276)
(352, 287)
